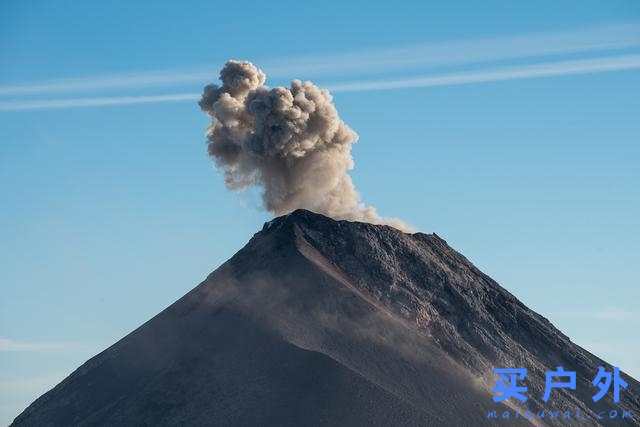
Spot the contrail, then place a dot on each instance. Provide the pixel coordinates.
(475, 51)
(54, 104)
(408, 57)
(559, 68)
(132, 80)
(626, 62)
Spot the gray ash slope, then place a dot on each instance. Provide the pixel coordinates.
(327, 323)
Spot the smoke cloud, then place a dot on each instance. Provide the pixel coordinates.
(289, 141)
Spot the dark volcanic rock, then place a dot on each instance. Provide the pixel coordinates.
(323, 322)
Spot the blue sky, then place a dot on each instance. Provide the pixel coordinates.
(510, 129)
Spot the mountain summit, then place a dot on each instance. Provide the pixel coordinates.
(317, 322)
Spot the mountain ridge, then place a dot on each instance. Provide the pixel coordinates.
(404, 328)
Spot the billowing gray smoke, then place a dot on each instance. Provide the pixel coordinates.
(290, 141)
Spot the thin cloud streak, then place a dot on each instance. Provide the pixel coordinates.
(626, 62)
(38, 346)
(461, 52)
(618, 63)
(55, 104)
(133, 80)
(606, 313)
(373, 61)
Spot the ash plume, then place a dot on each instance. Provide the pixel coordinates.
(288, 141)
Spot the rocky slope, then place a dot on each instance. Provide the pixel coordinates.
(323, 322)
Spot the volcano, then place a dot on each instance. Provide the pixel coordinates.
(318, 322)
